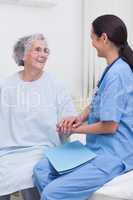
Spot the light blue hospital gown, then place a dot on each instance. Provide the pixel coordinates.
(29, 112)
(113, 102)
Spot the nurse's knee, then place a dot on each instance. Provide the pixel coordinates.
(36, 170)
(40, 166)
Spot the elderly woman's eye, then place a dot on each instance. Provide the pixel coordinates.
(38, 49)
(46, 50)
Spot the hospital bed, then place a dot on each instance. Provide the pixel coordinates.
(120, 188)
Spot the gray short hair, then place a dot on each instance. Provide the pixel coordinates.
(23, 45)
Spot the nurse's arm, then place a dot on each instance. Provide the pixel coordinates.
(97, 128)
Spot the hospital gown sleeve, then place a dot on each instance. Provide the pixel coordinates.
(65, 104)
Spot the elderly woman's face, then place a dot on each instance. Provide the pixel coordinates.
(37, 55)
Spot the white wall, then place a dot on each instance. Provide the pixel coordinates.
(62, 27)
(93, 66)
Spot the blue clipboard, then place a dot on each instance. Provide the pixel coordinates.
(66, 157)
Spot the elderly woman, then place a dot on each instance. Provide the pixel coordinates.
(31, 104)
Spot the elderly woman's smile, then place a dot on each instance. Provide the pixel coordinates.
(36, 56)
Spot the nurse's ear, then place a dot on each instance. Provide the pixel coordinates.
(104, 37)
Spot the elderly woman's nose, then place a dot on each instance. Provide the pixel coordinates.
(43, 53)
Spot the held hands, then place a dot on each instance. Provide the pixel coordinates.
(68, 125)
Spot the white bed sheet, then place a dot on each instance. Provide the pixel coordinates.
(103, 197)
(120, 188)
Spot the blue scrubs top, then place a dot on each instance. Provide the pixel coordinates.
(113, 101)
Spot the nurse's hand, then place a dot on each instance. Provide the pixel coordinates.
(67, 125)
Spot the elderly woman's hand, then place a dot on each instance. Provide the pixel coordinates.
(67, 125)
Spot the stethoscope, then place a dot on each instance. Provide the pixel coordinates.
(101, 79)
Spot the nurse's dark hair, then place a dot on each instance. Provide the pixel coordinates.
(116, 31)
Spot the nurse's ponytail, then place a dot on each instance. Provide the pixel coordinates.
(127, 54)
(116, 31)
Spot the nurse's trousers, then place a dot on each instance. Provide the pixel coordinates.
(79, 184)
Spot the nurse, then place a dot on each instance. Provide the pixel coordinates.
(109, 131)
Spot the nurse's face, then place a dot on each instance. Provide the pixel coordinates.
(98, 44)
(37, 55)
